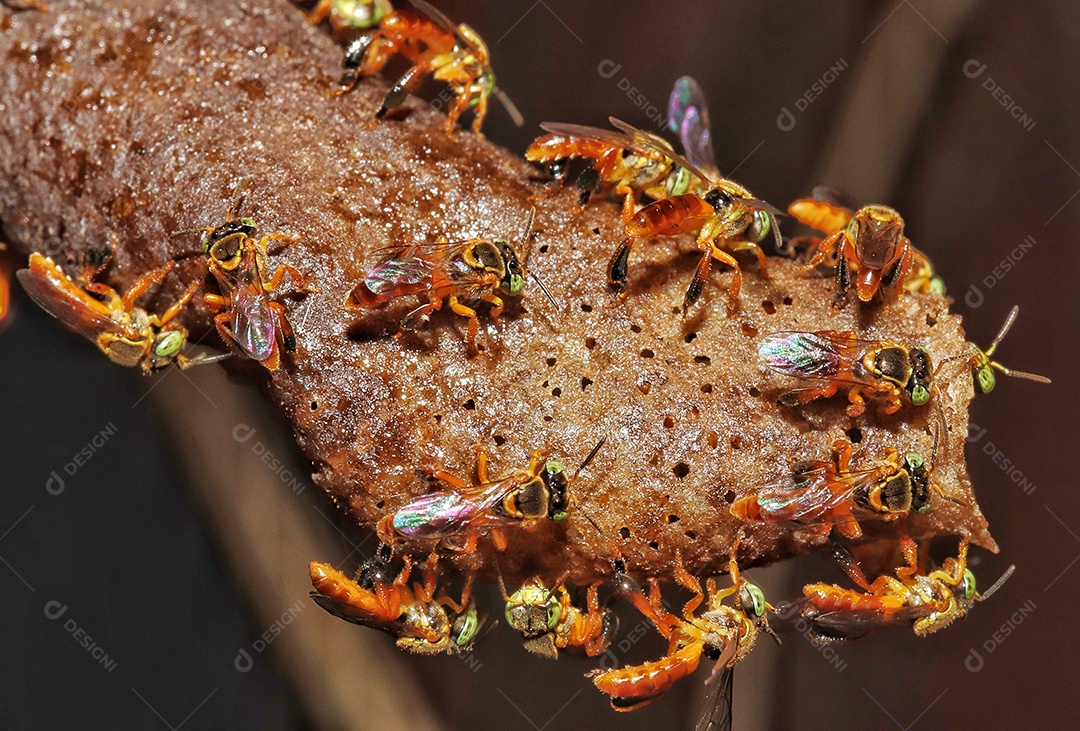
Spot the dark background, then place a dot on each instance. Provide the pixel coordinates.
(124, 548)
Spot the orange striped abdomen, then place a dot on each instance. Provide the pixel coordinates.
(554, 146)
(651, 678)
(330, 582)
(670, 216)
(830, 598)
(416, 36)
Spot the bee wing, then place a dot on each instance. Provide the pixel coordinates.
(435, 14)
(58, 295)
(400, 272)
(356, 615)
(807, 497)
(254, 323)
(855, 623)
(617, 139)
(440, 515)
(688, 115)
(659, 144)
(715, 713)
(817, 356)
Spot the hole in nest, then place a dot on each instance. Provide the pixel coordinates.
(647, 353)
(654, 545)
(585, 382)
(470, 404)
(689, 337)
(438, 418)
(625, 533)
(499, 440)
(749, 330)
(544, 249)
(691, 534)
(769, 307)
(547, 418)
(931, 320)
(787, 299)
(729, 497)
(544, 384)
(702, 359)
(556, 392)
(706, 388)
(596, 231)
(380, 504)
(480, 347)
(644, 388)
(590, 343)
(681, 470)
(654, 460)
(695, 412)
(713, 439)
(735, 442)
(314, 405)
(854, 434)
(551, 362)
(635, 328)
(673, 518)
(585, 307)
(754, 391)
(668, 422)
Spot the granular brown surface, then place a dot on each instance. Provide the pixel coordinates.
(137, 119)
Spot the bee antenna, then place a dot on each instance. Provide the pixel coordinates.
(510, 107)
(589, 459)
(1004, 330)
(234, 210)
(544, 289)
(997, 340)
(997, 584)
(937, 488)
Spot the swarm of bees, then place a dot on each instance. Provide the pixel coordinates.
(663, 193)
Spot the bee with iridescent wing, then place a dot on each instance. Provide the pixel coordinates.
(522, 499)
(884, 372)
(725, 216)
(460, 272)
(821, 495)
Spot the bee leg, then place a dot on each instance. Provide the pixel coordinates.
(628, 205)
(683, 577)
(697, 284)
(847, 562)
(481, 465)
(857, 405)
(320, 11)
(284, 328)
(848, 527)
(481, 111)
(354, 64)
(465, 311)
(911, 556)
(762, 264)
(497, 537)
(497, 305)
(895, 276)
(617, 267)
(144, 283)
(824, 249)
(443, 476)
(385, 529)
(174, 309)
(844, 449)
(427, 589)
(406, 85)
(736, 278)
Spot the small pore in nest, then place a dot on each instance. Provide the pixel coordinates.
(749, 330)
(547, 418)
(689, 337)
(754, 391)
(556, 392)
(625, 533)
(681, 470)
(729, 497)
(380, 504)
(713, 440)
(931, 320)
(590, 343)
(854, 434)
(499, 440)
(314, 404)
(668, 422)
(673, 518)
(787, 300)
(735, 442)
(544, 249)
(769, 307)
(596, 231)
(438, 418)
(470, 404)
(635, 328)
(644, 388)
(706, 388)
(691, 534)
(551, 362)
(654, 545)
(647, 353)
(586, 382)
(586, 307)
(703, 359)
